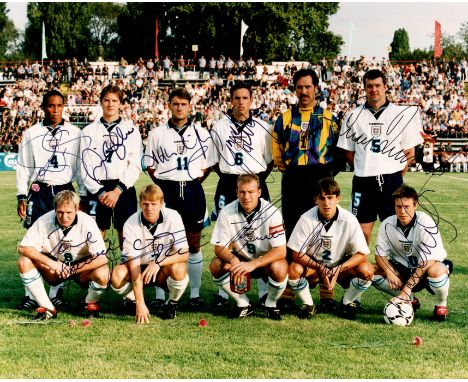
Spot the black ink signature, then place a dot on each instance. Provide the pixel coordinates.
(115, 144)
(163, 155)
(57, 148)
(386, 147)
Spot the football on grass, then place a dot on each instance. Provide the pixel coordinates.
(398, 313)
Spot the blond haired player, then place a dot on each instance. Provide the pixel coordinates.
(155, 252)
(64, 244)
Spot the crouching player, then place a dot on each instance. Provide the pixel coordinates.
(410, 255)
(328, 246)
(249, 241)
(64, 244)
(155, 253)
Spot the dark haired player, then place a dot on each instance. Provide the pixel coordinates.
(111, 151)
(378, 139)
(328, 247)
(177, 160)
(410, 255)
(242, 145)
(48, 162)
(303, 146)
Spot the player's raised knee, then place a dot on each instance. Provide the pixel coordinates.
(119, 275)
(216, 267)
(366, 271)
(295, 270)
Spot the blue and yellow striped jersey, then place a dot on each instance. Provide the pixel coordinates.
(304, 137)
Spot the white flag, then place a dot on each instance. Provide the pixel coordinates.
(244, 28)
(44, 52)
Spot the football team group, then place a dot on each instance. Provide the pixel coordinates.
(309, 241)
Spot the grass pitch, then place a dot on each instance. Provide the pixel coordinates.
(255, 347)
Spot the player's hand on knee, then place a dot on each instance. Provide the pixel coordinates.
(150, 273)
(394, 281)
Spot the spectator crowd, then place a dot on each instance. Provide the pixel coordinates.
(437, 88)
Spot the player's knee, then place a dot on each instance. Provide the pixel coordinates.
(101, 275)
(438, 269)
(278, 270)
(216, 267)
(295, 271)
(24, 264)
(119, 275)
(365, 271)
(178, 271)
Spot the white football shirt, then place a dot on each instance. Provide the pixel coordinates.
(241, 151)
(264, 232)
(83, 239)
(169, 237)
(178, 157)
(49, 158)
(110, 155)
(330, 242)
(422, 242)
(379, 144)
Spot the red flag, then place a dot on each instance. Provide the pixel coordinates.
(437, 40)
(156, 48)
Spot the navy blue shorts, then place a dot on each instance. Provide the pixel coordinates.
(188, 199)
(41, 200)
(226, 190)
(154, 283)
(423, 283)
(126, 206)
(369, 199)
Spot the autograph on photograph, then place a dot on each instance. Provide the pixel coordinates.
(95, 160)
(60, 146)
(188, 152)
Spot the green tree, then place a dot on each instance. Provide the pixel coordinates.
(400, 45)
(3, 24)
(103, 26)
(451, 48)
(67, 29)
(215, 28)
(463, 35)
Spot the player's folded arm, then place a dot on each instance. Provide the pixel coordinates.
(305, 260)
(355, 260)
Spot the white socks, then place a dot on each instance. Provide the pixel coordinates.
(34, 285)
(275, 290)
(95, 291)
(440, 286)
(356, 288)
(300, 288)
(176, 288)
(195, 268)
(224, 282)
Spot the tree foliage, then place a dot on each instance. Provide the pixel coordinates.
(215, 27)
(3, 25)
(67, 29)
(400, 45)
(103, 25)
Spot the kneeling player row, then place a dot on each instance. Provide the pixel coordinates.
(327, 246)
